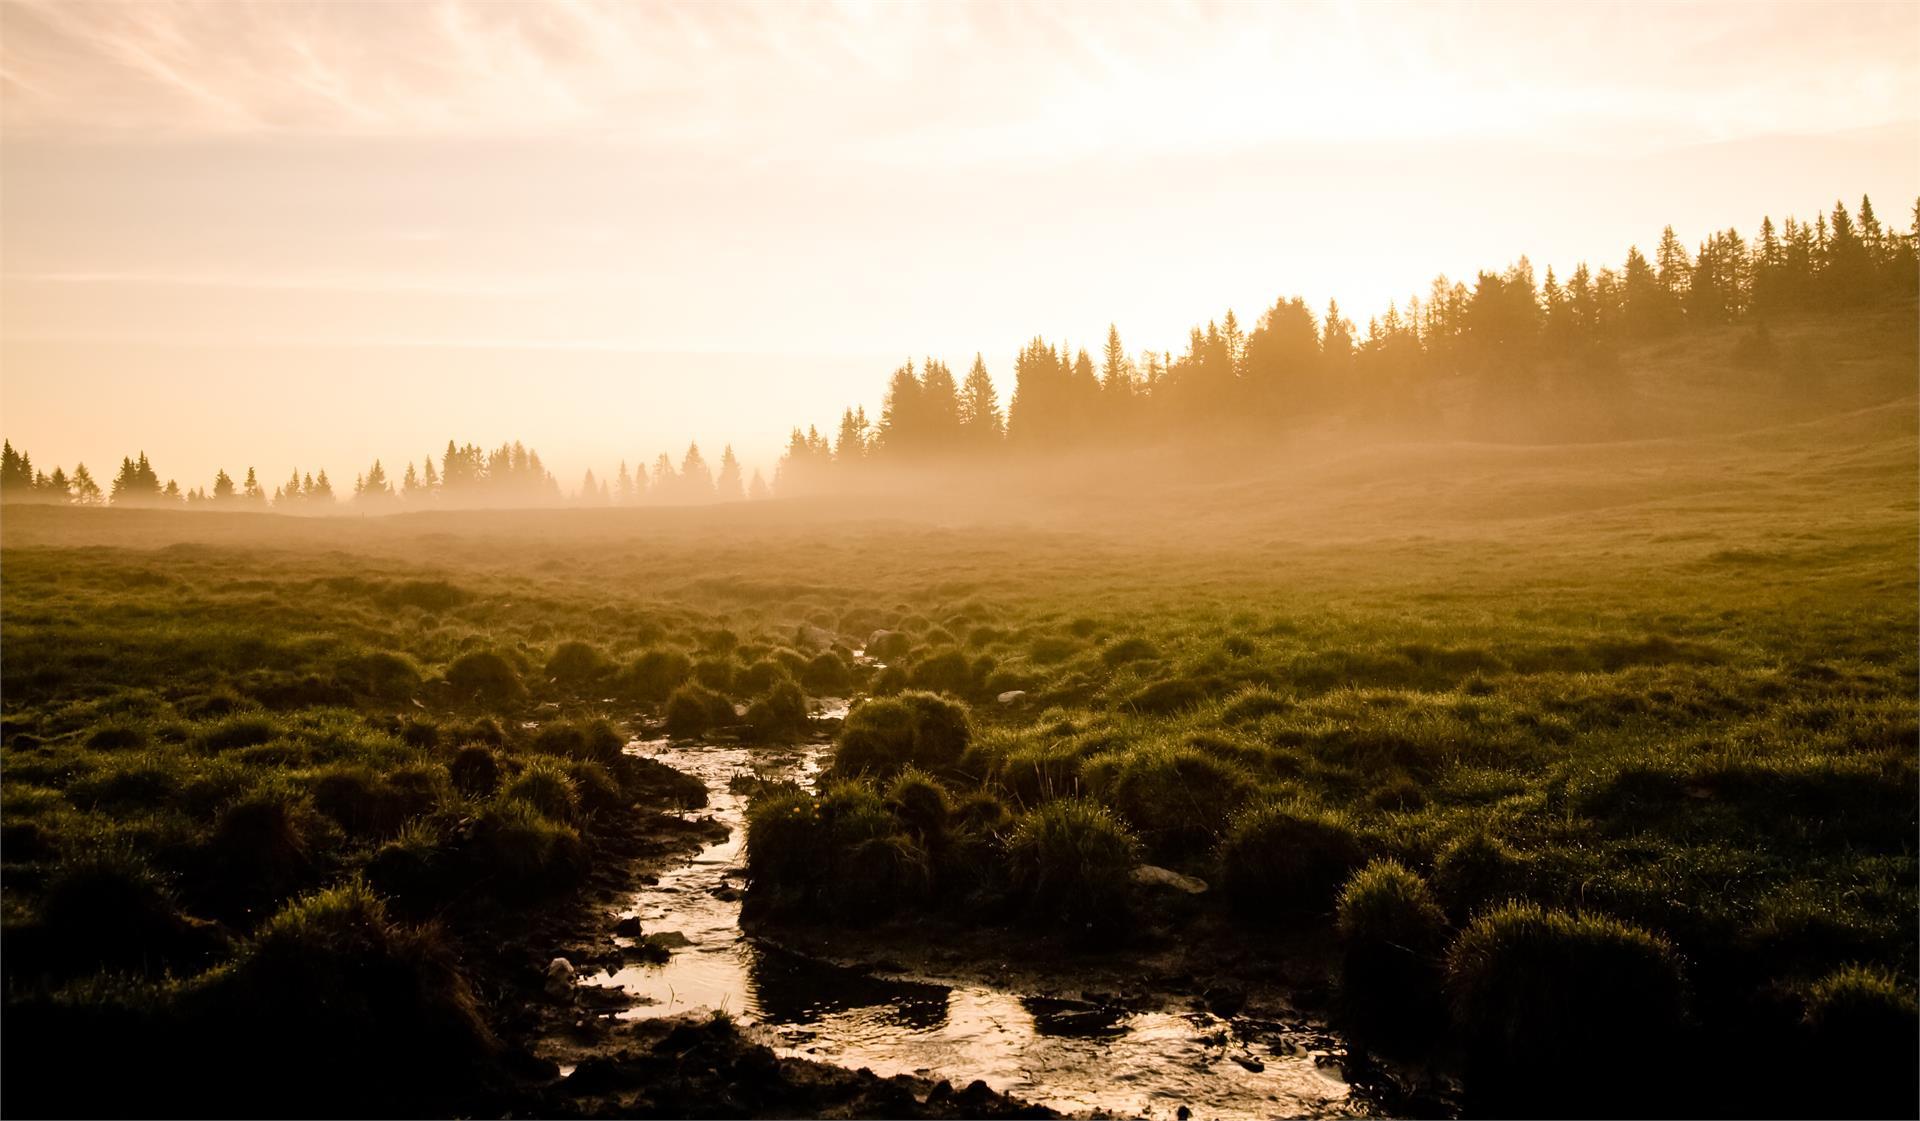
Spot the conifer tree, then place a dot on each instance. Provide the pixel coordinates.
(981, 425)
(696, 479)
(86, 492)
(222, 486)
(850, 446)
(940, 408)
(665, 485)
(16, 473)
(728, 486)
(902, 425)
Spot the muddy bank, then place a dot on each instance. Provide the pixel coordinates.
(697, 1065)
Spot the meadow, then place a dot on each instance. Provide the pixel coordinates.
(1580, 774)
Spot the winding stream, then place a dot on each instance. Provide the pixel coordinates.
(1072, 1057)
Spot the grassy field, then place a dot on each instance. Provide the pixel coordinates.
(1575, 750)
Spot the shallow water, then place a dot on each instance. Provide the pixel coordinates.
(1071, 1056)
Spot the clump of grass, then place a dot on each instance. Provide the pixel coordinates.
(1177, 798)
(780, 716)
(887, 645)
(840, 855)
(921, 804)
(760, 675)
(1253, 705)
(427, 595)
(107, 909)
(1543, 998)
(267, 844)
(487, 679)
(381, 674)
(525, 853)
(1051, 649)
(1074, 860)
(475, 771)
(547, 787)
(694, 710)
(1133, 649)
(946, 671)
(1286, 858)
(358, 800)
(598, 789)
(787, 844)
(982, 811)
(1475, 870)
(596, 740)
(916, 729)
(828, 673)
(1392, 931)
(375, 996)
(117, 736)
(238, 731)
(655, 674)
(1171, 695)
(1862, 1018)
(412, 869)
(577, 664)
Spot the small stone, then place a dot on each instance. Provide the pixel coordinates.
(1152, 875)
(1012, 695)
(559, 978)
(1252, 1064)
(628, 927)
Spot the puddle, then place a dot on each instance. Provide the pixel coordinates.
(1073, 1057)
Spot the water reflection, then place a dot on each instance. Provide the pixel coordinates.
(1072, 1055)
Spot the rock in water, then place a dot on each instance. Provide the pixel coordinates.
(559, 978)
(1152, 875)
(814, 638)
(1011, 696)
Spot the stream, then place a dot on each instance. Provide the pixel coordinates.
(1071, 1056)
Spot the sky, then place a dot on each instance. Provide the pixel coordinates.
(291, 235)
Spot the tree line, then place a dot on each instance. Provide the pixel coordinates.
(1500, 330)
(466, 476)
(1497, 333)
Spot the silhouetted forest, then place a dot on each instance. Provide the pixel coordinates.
(1507, 343)
(1510, 340)
(466, 476)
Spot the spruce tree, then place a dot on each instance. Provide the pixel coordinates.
(728, 486)
(981, 425)
(696, 479)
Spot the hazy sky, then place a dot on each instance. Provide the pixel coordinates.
(286, 234)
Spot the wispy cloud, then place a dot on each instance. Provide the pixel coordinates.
(951, 81)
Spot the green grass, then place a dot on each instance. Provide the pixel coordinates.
(1668, 684)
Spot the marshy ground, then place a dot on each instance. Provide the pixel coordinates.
(1556, 779)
